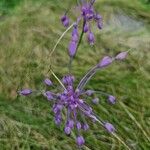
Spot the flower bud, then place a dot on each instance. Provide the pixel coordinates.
(109, 127)
(105, 62)
(25, 92)
(91, 38)
(121, 55)
(65, 21)
(95, 100)
(80, 140)
(111, 99)
(72, 48)
(48, 82)
(100, 25)
(85, 28)
(78, 125)
(67, 130)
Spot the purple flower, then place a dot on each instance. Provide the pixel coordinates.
(100, 25)
(121, 55)
(48, 82)
(67, 130)
(89, 92)
(78, 125)
(49, 95)
(85, 126)
(111, 99)
(91, 38)
(109, 127)
(74, 100)
(86, 28)
(95, 100)
(72, 48)
(80, 140)
(105, 62)
(65, 21)
(25, 92)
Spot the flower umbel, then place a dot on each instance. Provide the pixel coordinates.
(74, 101)
(87, 15)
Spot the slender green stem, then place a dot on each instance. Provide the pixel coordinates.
(60, 38)
(136, 122)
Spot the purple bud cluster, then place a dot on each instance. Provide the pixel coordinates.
(74, 101)
(87, 15)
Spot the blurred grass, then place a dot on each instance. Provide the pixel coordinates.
(29, 30)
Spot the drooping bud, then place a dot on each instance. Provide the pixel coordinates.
(100, 25)
(49, 95)
(89, 92)
(25, 92)
(65, 21)
(95, 100)
(80, 140)
(48, 82)
(111, 99)
(105, 62)
(91, 38)
(78, 125)
(109, 127)
(121, 56)
(72, 48)
(85, 127)
(86, 28)
(98, 17)
(67, 130)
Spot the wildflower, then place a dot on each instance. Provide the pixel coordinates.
(111, 99)
(48, 82)
(25, 92)
(87, 15)
(105, 61)
(74, 100)
(121, 55)
(95, 100)
(80, 140)
(65, 21)
(109, 127)
(91, 38)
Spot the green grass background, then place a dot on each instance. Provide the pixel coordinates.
(28, 31)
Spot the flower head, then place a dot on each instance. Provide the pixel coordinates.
(75, 101)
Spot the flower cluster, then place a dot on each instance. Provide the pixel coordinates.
(74, 101)
(87, 14)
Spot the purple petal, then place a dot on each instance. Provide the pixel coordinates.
(121, 56)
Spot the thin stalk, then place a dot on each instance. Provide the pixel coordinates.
(86, 78)
(60, 38)
(136, 122)
(57, 79)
